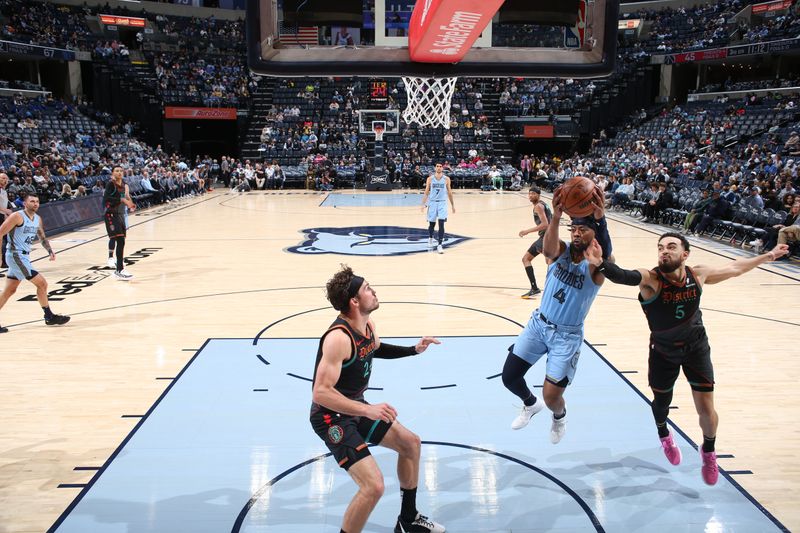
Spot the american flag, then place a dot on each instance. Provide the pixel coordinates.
(291, 34)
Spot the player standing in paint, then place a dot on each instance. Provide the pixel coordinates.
(437, 191)
(344, 420)
(22, 228)
(670, 298)
(114, 200)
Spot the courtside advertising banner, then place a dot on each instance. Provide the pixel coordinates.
(200, 113)
(113, 20)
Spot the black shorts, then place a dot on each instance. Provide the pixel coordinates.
(666, 360)
(115, 225)
(347, 436)
(536, 247)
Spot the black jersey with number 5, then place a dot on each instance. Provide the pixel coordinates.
(674, 311)
(354, 378)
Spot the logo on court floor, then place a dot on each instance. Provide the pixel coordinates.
(370, 240)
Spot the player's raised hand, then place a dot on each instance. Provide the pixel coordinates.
(557, 209)
(779, 251)
(424, 342)
(594, 253)
(382, 411)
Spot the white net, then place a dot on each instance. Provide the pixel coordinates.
(429, 101)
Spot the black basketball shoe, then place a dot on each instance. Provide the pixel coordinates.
(531, 293)
(56, 320)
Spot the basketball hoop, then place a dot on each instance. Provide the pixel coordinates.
(378, 128)
(429, 101)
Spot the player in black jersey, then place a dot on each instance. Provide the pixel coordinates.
(541, 216)
(113, 200)
(346, 422)
(670, 298)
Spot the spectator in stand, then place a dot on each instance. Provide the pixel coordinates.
(696, 208)
(496, 178)
(66, 192)
(624, 193)
(790, 232)
(754, 200)
(773, 236)
(716, 209)
(526, 166)
(730, 193)
(792, 145)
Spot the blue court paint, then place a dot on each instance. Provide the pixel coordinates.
(343, 199)
(212, 456)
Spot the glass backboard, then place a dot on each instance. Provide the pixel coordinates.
(368, 118)
(525, 38)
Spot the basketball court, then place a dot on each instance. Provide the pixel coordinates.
(179, 401)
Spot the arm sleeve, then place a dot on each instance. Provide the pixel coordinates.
(603, 238)
(391, 351)
(620, 275)
(108, 193)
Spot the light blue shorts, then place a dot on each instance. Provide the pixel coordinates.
(561, 344)
(19, 266)
(437, 210)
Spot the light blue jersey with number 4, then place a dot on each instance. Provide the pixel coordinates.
(568, 291)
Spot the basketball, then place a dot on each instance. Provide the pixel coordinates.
(576, 197)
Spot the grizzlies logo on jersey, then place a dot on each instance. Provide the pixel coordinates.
(369, 240)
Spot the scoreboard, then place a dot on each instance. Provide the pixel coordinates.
(378, 92)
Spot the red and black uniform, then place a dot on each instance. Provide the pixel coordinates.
(114, 216)
(677, 335)
(344, 435)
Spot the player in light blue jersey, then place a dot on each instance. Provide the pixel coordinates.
(22, 228)
(437, 191)
(556, 328)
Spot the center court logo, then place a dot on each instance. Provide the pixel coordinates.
(369, 240)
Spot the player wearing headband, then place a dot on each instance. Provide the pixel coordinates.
(346, 422)
(556, 328)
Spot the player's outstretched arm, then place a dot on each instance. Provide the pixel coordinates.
(392, 351)
(712, 275)
(616, 274)
(552, 247)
